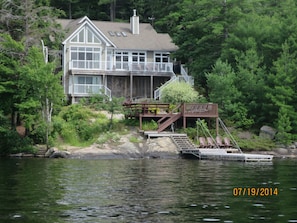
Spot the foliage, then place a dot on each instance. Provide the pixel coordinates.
(255, 143)
(134, 139)
(101, 102)
(77, 124)
(30, 22)
(283, 127)
(11, 141)
(152, 125)
(179, 92)
(191, 133)
(108, 137)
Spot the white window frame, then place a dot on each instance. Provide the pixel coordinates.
(85, 35)
(83, 57)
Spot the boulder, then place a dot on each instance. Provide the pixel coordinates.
(267, 132)
(49, 152)
(282, 151)
(60, 154)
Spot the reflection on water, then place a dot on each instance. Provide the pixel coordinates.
(171, 190)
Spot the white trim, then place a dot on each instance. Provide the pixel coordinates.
(93, 28)
(65, 71)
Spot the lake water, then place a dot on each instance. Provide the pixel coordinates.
(145, 190)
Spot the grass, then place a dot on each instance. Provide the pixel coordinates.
(134, 139)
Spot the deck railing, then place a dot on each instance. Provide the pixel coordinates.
(201, 110)
(89, 89)
(120, 66)
(186, 109)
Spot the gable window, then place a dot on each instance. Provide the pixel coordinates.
(85, 57)
(85, 36)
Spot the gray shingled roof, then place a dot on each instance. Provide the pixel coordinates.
(147, 39)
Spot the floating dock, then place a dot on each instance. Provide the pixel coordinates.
(222, 154)
(189, 150)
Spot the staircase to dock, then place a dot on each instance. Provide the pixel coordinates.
(185, 145)
(167, 120)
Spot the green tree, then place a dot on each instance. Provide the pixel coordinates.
(40, 91)
(29, 21)
(283, 127)
(221, 83)
(11, 58)
(180, 92)
(250, 81)
(282, 86)
(200, 29)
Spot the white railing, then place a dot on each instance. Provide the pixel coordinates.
(120, 66)
(85, 64)
(183, 77)
(187, 78)
(89, 89)
(158, 91)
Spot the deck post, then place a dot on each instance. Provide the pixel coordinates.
(140, 122)
(131, 86)
(152, 86)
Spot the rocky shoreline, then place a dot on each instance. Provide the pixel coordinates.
(135, 145)
(161, 147)
(151, 148)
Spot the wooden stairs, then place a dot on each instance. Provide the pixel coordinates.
(167, 120)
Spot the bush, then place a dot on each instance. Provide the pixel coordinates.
(180, 92)
(152, 125)
(12, 142)
(77, 125)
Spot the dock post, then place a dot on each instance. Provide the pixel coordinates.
(140, 121)
(217, 126)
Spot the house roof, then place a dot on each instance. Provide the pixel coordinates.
(120, 35)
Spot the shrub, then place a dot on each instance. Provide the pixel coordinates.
(12, 142)
(152, 125)
(77, 125)
(180, 92)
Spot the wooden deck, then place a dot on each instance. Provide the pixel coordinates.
(166, 114)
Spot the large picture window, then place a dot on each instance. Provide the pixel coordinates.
(87, 84)
(85, 57)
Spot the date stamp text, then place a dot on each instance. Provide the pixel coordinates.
(255, 191)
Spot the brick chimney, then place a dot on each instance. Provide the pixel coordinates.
(134, 23)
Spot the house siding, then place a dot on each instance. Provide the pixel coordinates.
(135, 76)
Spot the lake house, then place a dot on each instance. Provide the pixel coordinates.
(128, 60)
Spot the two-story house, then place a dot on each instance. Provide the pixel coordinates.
(115, 59)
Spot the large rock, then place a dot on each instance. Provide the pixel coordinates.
(60, 154)
(267, 132)
(49, 152)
